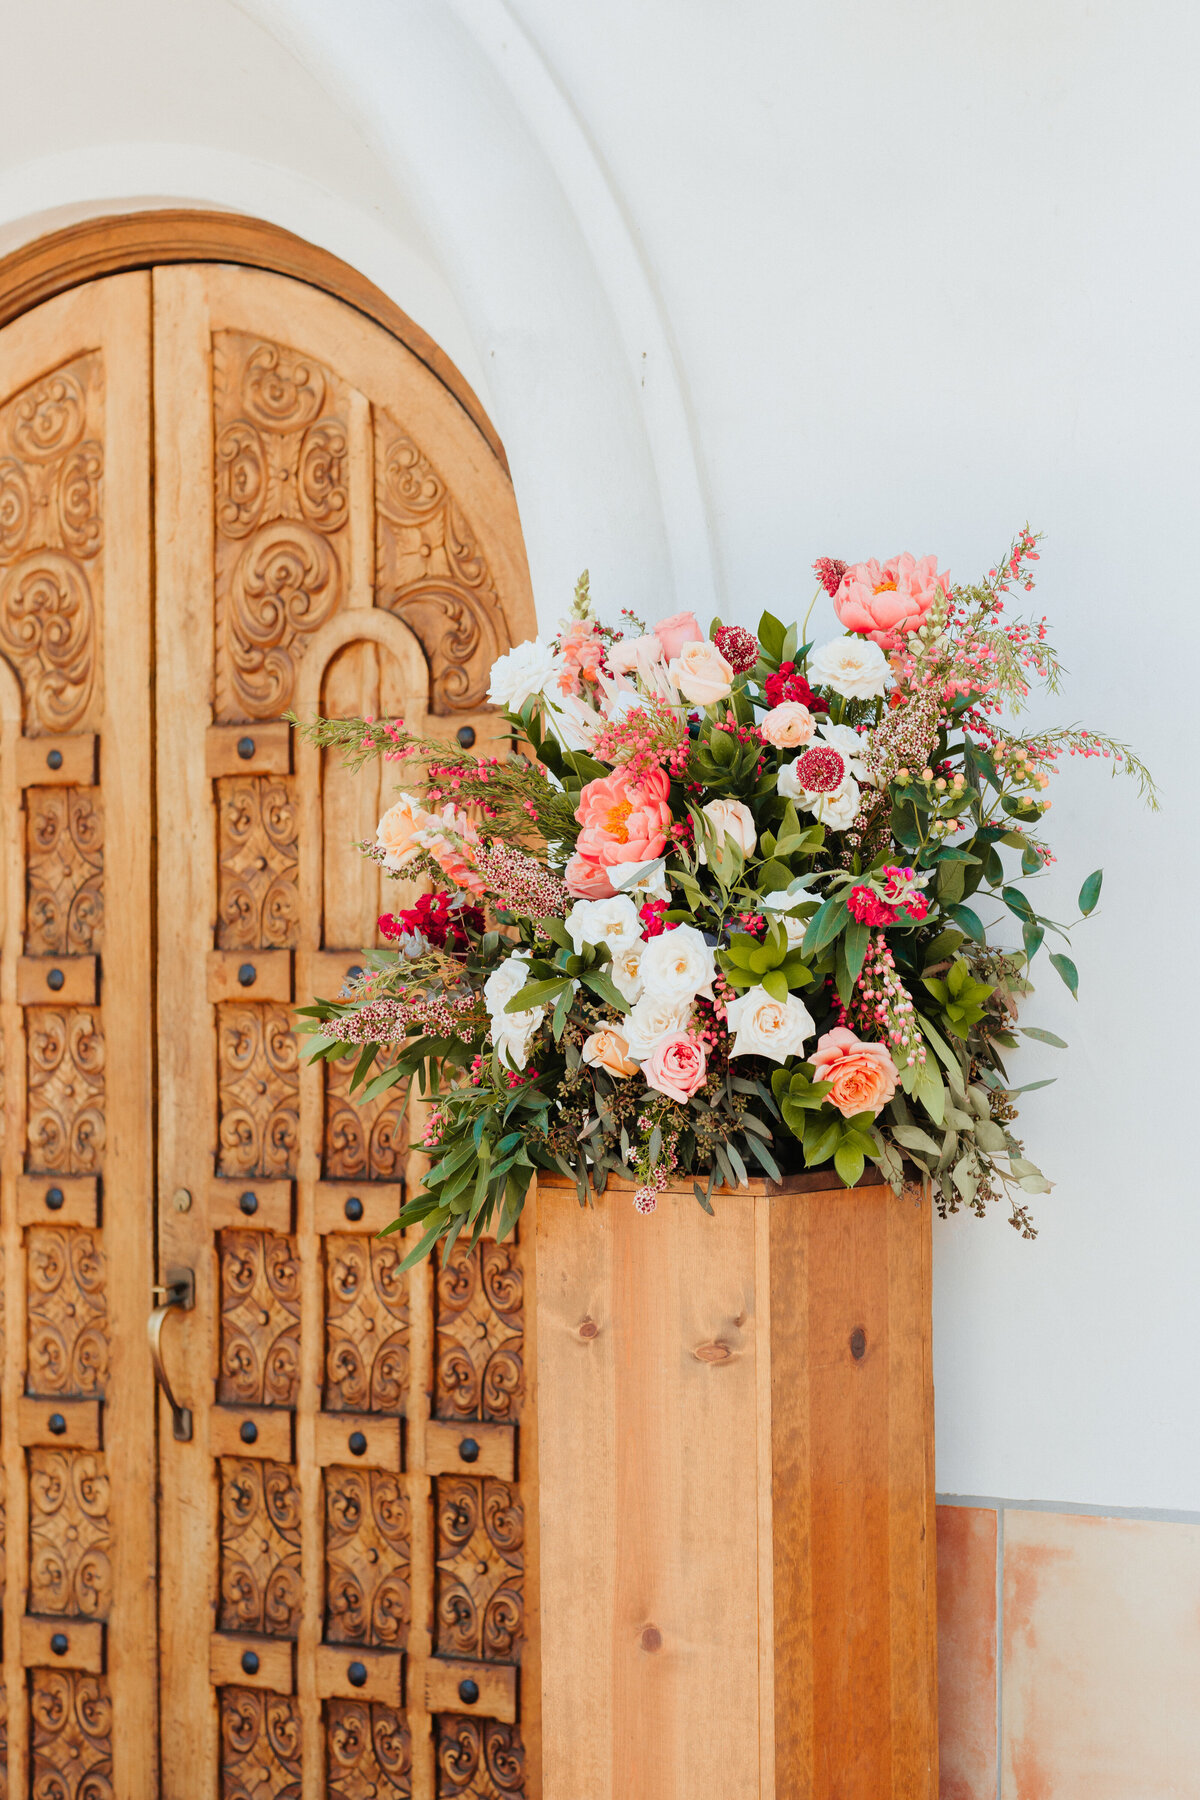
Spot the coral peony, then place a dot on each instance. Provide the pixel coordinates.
(587, 879)
(680, 629)
(623, 821)
(886, 600)
(863, 1075)
(676, 1065)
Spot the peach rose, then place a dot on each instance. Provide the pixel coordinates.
(730, 818)
(885, 600)
(701, 674)
(397, 829)
(588, 879)
(673, 633)
(607, 1049)
(624, 821)
(788, 725)
(676, 1065)
(863, 1075)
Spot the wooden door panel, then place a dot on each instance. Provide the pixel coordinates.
(345, 1529)
(76, 1410)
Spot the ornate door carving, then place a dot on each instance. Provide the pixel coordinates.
(338, 1582)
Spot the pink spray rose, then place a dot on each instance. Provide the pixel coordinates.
(624, 821)
(675, 632)
(886, 600)
(863, 1075)
(676, 1065)
(788, 725)
(587, 879)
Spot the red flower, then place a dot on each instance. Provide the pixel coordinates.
(829, 571)
(787, 685)
(738, 646)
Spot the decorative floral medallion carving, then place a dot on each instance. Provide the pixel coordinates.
(65, 1054)
(71, 1718)
(367, 1549)
(51, 532)
(67, 1312)
(258, 906)
(258, 1084)
(480, 1333)
(480, 1569)
(366, 1325)
(260, 1548)
(69, 1569)
(260, 1319)
(64, 868)
(260, 1746)
(478, 1759)
(363, 1140)
(368, 1752)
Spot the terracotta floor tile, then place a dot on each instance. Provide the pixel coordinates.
(1101, 1675)
(966, 1574)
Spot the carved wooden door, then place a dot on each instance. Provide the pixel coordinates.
(343, 1553)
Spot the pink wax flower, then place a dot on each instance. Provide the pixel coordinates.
(680, 629)
(624, 821)
(676, 1065)
(863, 1075)
(886, 600)
(587, 879)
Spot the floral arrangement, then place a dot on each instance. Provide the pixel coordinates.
(717, 906)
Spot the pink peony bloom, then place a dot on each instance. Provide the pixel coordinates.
(863, 1075)
(676, 1065)
(587, 879)
(886, 600)
(675, 632)
(623, 821)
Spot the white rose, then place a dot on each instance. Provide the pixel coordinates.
(613, 922)
(627, 971)
(513, 1029)
(730, 818)
(511, 1041)
(851, 745)
(653, 1019)
(837, 810)
(678, 965)
(795, 930)
(520, 674)
(853, 667)
(767, 1027)
(645, 879)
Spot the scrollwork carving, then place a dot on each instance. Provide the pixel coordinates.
(260, 1548)
(260, 1746)
(47, 626)
(258, 1084)
(366, 1325)
(64, 871)
(49, 417)
(71, 1715)
(480, 1599)
(258, 905)
(368, 1752)
(65, 1055)
(281, 389)
(260, 1319)
(66, 1312)
(367, 1550)
(242, 479)
(478, 1759)
(365, 1140)
(480, 1333)
(322, 476)
(69, 1535)
(286, 584)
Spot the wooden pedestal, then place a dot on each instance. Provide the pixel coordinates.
(735, 1445)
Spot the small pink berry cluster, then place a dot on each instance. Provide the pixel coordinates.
(417, 1015)
(753, 923)
(649, 737)
(435, 1126)
(881, 1007)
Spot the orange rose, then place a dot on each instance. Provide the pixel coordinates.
(398, 828)
(607, 1049)
(863, 1075)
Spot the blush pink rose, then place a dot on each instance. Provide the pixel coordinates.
(886, 600)
(701, 674)
(788, 725)
(863, 1075)
(623, 821)
(675, 632)
(587, 879)
(676, 1065)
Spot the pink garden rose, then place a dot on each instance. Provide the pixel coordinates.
(623, 821)
(863, 1075)
(788, 725)
(587, 879)
(886, 600)
(675, 632)
(676, 1065)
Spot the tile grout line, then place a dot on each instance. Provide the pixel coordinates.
(999, 1651)
(1000, 1504)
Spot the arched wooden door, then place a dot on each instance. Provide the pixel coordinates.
(222, 494)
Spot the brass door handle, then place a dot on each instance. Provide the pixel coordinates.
(179, 1295)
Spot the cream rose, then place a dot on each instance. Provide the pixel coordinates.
(788, 725)
(398, 828)
(613, 922)
(626, 971)
(853, 667)
(653, 1019)
(765, 1026)
(645, 879)
(701, 674)
(678, 965)
(730, 818)
(608, 1049)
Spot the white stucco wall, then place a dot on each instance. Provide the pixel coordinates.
(743, 284)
